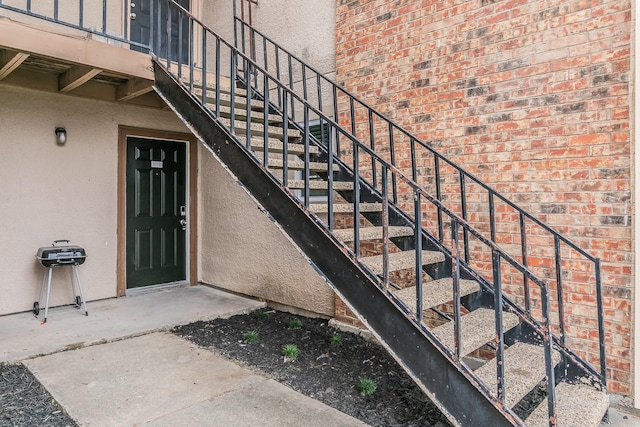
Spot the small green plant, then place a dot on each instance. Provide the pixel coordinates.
(290, 351)
(250, 337)
(366, 386)
(336, 340)
(295, 324)
(262, 315)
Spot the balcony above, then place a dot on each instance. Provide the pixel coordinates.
(45, 56)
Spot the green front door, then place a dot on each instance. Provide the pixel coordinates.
(156, 212)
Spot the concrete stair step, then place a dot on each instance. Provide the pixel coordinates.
(298, 184)
(436, 292)
(258, 129)
(240, 100)
(576, 405)
(372, 233)
(401, 260)
(298, 165)
(345, 207)
(477, 328)
(277, 146)
(241, 114)
(524, 368)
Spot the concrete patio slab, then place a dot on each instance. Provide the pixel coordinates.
(23, 336)
(163, 380)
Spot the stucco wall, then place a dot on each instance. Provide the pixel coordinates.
(242, 250)
(50, 192)
(305, 29)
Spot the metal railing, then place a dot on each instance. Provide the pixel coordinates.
(110, 20)
(447, 181)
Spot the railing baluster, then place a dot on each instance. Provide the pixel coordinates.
(158, 32)
(436, 167)
(218, 80)
(55, 9)
(81, 15)
(498, 308)
(463, 202)
(603, 356)
(356, 200)
(104, 16)
(235, 24)
(307, 177)
(385, 229)
(168, 34)
(278, 75)
(414, 167)
(559, 289)
(373, 148)
(392, 152)
(417, 236)
(455, 267)
(331, 218)
(285, 142)
(247, 79)
(293, 111)
(492, 217)
(548, 361)
(525, 277)
(232, 103)
(192, 59)
(266, 120)
(204, 70)
(179, 44)
(353, 116)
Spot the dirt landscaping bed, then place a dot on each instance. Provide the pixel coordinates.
(329, 365)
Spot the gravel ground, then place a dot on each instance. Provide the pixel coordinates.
(24, 402)
(323, 371)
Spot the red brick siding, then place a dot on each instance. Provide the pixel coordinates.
(532, 97)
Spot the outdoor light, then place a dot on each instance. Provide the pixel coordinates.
(61, 136)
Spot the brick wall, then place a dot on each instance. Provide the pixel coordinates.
(532, 96)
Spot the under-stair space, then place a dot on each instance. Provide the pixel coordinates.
(480, 356)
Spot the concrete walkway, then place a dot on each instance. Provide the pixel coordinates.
(124, 371)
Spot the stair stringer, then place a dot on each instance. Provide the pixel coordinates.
(448, 382)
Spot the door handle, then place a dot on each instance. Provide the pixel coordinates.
(132, 16)
(133, 5)
(183, 223)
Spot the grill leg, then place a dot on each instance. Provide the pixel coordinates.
(84, 303)
(44, 278)
(46, 306)
(73, 286)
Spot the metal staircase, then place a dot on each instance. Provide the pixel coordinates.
(395, 233)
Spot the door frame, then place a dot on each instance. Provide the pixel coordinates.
(191, 251)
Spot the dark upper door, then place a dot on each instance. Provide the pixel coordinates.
(143, 28)
(156, 212)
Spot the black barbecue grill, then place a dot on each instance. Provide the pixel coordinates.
(58, 255)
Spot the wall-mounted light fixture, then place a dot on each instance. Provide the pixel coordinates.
(61, 136)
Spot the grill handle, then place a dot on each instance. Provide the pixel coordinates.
(60, 241)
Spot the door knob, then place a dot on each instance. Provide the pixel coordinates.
(183, 223)
(133, 5)
(132, 16)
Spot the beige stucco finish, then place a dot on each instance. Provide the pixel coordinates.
(49, 192)
(244, 251)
